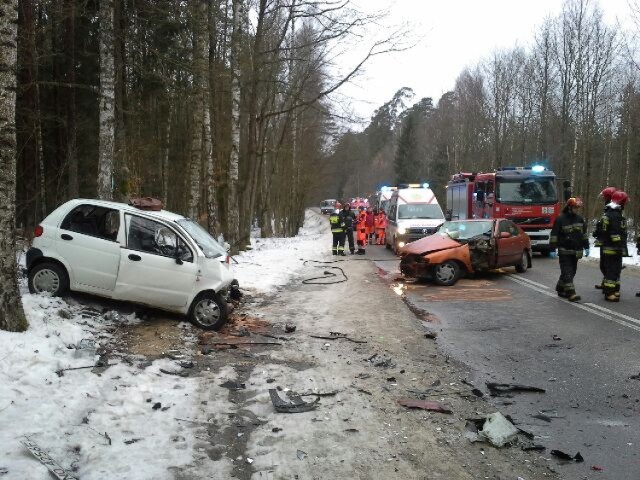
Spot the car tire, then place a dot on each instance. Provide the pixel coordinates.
(48, 277)
(446, 273)
(524, 263)
(208, 311)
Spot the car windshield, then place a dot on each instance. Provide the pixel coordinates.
(205, 242)
(327, 203)
(420, 210)
(465, 230)
(529, 190)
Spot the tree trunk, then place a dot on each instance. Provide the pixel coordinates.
(107, 104)
(233, 216)
(120, 153)
(70, 79)
(165, 156)
(12, 316)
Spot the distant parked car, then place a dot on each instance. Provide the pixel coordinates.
(144, 255)
(328, 206)
(467, 246)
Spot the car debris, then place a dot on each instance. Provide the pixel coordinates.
(231, 385)
(431, 335)
(296, 405)
(635, 377)
(44, 458)
(423, 405)
(337, 336)
(320, 394)
(301, 455)
(597, 468)
(565, 456)
(498, 430)
(290, 328)
(157, 406)
(533, 448)
(276, 429)
(178, 374)
(500, 389)
(133, 440)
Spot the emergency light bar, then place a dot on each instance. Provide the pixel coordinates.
(413, 185)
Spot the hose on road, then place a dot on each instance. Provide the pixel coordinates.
(329, 275)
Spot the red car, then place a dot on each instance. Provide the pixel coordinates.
(465, 247)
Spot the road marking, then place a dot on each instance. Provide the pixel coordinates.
(530, 281)
(589, 307)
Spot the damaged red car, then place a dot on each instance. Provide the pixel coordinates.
(464, 247)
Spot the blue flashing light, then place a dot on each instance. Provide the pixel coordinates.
(425, 185)
(385, 189)
(538, 169)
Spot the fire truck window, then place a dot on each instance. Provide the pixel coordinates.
(489, 188)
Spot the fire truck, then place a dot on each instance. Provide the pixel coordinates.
(528, 196)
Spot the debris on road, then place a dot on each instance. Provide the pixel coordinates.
(296, 405)
(157, 406)
(565, 456)
(301, 455)
(231, 385)
(635, 377)
(499, 389)
(337, 336)
(533, 448)
(169, 372)
(44, 458)
(431, 335)
(556, 338)
(290, 328)
(424, 405)
(596, 468)
(498, 430)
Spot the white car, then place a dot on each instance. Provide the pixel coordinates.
(114, 250)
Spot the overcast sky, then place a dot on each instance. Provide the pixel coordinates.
(455, 34)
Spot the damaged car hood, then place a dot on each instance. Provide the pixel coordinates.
(432, 243)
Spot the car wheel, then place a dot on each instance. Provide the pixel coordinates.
(208, 311)
(446, 273)
(524, 263)
(48, 277)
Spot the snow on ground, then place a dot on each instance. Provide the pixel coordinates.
(100, 424)
(633, 259)
(274, 262)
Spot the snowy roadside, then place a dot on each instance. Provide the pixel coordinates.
(632, 260)
(136, 418)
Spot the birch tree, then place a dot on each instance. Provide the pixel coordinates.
(12, 316)
(107, 102)
(233, 215)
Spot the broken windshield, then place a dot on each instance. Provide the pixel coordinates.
(205, 242)
(539, 190)
(465, 230)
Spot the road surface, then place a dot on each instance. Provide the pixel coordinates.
(512, 328)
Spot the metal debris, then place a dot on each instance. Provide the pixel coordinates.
(565, 456)
(424, 405)
(337, 336)
(498, 430)
(231, 385)
(290, 328)
(301, 455)
(296, 405)
(59, 472)
(498, 389)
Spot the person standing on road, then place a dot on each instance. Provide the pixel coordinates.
(380, 222)
(349, 219)
(569, 236)
(337, 230)
(606, 194)
(370, 225)
(638, 252)
(614, 245)
(361, 231)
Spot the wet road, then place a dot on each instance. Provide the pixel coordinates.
(512, 328)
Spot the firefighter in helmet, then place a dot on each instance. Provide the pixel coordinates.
(606, 194)
(349, 219)
(569, 236)
(613, 236)
(337, 231)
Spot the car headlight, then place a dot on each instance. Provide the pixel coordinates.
(402, 231)
(401, 244)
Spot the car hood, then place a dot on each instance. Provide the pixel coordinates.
(431, 243)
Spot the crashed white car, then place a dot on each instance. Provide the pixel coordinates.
(152, 257)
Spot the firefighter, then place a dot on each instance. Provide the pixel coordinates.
(638, 253)
(380, 225)
(606, 195)
(569, 236)
(337, 230)
(361, 231)
(349, 219)
(370, 225)
(614, 245)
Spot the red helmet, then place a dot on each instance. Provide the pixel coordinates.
(620, 197)
(575, 202)
(607, 193)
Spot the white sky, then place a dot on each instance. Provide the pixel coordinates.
(455, 34)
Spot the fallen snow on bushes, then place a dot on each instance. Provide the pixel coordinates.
(273, 262)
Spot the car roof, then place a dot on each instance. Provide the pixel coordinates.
(159, 214)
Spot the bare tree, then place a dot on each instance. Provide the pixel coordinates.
(107, 103)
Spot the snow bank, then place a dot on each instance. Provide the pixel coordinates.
(274, 262)
(634, 259)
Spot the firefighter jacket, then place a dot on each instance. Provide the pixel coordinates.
(348, 218)
(598, 232)
(613, 235)
(337, 226)
(569, 234)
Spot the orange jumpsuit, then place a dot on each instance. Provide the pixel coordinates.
(361, 232)
(381, 225)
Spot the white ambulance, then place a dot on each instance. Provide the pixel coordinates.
(413, 213)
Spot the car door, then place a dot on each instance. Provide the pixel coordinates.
(151, 272)
(508, 249)
(88, 239)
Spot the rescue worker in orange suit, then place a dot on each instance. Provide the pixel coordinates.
(380, 222)
(614, 245)
(370, 225)
(349, 219)
(606, 194)
(569, 236)
(337, 230)
(361, 231)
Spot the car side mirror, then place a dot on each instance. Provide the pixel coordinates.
(505, 235)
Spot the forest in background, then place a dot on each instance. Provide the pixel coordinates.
(221, 108)
(569, 101)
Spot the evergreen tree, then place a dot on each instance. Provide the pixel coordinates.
(406, 159)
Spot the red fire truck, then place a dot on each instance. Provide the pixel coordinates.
(527, 196)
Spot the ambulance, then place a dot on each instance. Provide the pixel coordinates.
(413, 213)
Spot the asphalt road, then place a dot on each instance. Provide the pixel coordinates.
(511, 328)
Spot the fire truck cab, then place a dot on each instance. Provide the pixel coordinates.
(525, 195)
